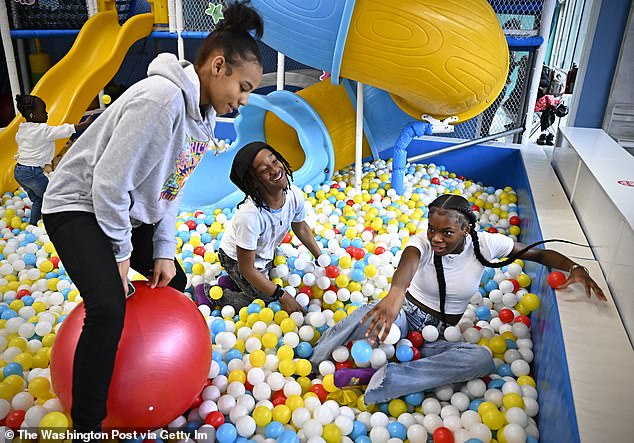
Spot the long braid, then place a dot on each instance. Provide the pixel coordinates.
(442, 285)
(254, 190)
(461, 205)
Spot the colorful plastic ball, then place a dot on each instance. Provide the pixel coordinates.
(506, 315)
(443, 435)
(397, 407)
(273, 429)
(226, 433)
(361, 351)
(555, 279)
(483, 313)
(331, 433)
(404, 353)
(143, 393)
(416, 338)
(531, 301)
(288, 436)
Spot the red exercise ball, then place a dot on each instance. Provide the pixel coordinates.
(162, 361)
(555, 279)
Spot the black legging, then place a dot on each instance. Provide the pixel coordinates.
(86, 253)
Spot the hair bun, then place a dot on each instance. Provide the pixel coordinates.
(240, 17)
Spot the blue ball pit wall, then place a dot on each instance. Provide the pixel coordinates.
(500, 167)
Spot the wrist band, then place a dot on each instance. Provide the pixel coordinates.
(576, 266)
(279, 293)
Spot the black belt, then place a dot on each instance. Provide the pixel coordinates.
(450, 319)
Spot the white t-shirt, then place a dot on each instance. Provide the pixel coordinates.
(462, 271)
(36, 142)
(260, 230)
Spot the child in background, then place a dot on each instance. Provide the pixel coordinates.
(36, 148)
(113, 200)
(435, 279)
(272, 205)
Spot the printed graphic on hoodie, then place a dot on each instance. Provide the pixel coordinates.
(192, 152)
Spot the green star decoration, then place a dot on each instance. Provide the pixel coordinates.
(215, 11)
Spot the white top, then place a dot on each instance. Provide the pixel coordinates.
(260, 230)
(462, 271)
(36, 142)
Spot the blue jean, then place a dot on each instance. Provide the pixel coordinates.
(34, 182)
(441, 362)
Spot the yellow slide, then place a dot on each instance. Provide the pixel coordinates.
(71, 85)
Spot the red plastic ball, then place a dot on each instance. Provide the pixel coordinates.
(306, 290)
(350, 202)
(416, 338)
(475, 208)
(200, 250)
(443, 435)
(22, 293)
(332, 272)
(379, 250)
(516, 284)
(198, 213)
(523, 319)
(287, 238)
(15, 418)
(191, 224)
(359, 253)
(320, 391)
(506, 315)
(197, 401)
(348, 364)
(370, 230)
(555, 279)
(335, 186)
(215, 419)
(55, 261)
(416, 355)
(162, 360)
(435, 181)
(492, 230)
(515, 220)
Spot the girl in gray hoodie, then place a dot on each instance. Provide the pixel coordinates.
(113, 200)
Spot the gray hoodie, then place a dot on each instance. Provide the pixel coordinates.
(129, 166)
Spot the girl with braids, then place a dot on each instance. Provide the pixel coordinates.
(271, 206)
(113, 201)
(437, 275)
(36, 148)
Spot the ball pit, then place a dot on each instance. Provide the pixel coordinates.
(261, 384)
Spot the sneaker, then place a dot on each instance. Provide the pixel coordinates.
(353, 377)
(541, 140)
(550, 139)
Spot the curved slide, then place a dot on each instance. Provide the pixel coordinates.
(71, 85)
(415, 57)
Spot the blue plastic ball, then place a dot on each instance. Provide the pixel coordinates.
(404, 353)
(361, 351)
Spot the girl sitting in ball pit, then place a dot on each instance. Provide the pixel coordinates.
(272, 205)
(436, 277)
(36, 148)
(113, 200)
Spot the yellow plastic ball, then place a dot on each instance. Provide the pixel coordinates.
(257, 358)
(287, 367)
(48, 340)
(303, 367)
(305, 383)
(493, 419)
(370, 271)
(486, 406)
(40, 387)
(215, 293)
(530, 301)
(237, 375)
(269, 340)
(262, 415)
(288, 325)
(329, 383)
(106, 99)
(279, 260)
(345, 262)
(282, 413)
(497, 344)
(526, 380)
(514, 230)
(266, 315)
(294, 401)
(331, 433)
(198, 269)
(397, 407)
(524, 280)
(512, 400)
